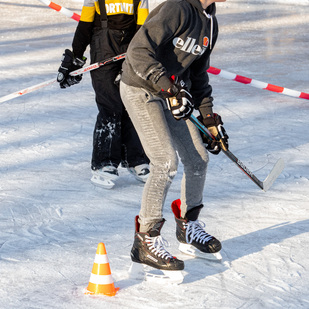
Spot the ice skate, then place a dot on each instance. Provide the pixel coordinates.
(151, 261)
(140, 172)
(105, 176)
(193, 239)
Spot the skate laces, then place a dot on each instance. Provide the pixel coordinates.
(157, 246)
(195, 231)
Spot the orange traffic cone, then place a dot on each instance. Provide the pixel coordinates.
(101, 281)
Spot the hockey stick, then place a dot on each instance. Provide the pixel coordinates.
(264, 185)
(51, 81)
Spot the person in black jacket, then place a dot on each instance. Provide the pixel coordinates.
(108, 28)
(164, 78)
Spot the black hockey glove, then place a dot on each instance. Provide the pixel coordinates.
(214, 124)
(69, 64)
(179, 100)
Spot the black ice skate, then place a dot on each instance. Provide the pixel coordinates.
(192, 236)
(148, 249)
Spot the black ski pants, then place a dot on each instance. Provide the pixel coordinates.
(115, 140)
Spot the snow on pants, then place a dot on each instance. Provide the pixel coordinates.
(162, 138)
(114, 139)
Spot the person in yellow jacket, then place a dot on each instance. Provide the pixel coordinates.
(108, 26)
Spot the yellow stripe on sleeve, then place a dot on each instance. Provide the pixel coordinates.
(142, 12)
(87, 14)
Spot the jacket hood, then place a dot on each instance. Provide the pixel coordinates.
(211, 9)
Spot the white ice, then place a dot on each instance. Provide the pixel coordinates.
(52, 217)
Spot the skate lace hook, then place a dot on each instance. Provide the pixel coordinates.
(157, 246)
(195, 231)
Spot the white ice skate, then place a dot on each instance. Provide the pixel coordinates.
(140, 271)
(105, 176)
(140, 172)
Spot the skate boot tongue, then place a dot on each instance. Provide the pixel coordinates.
(193, 213)
(156, 229)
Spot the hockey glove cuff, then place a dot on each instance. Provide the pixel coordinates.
(179, 100)
(214, 124)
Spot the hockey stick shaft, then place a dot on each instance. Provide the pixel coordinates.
(51, 81)
(264, 185)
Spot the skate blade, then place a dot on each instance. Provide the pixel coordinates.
(102, 182)
(169, 276)
(190, 250)
(139, 271)
(104, 175)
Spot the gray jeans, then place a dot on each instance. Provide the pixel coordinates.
(162, 138)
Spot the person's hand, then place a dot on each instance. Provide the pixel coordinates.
(179, 100)
(69, 64)
(214, 124)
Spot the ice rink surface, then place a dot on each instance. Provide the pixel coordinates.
(52, 217)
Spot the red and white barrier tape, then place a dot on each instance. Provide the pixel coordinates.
(27, 90)
(211, 70)
(258, 84)
(51, 81)
(61, 9)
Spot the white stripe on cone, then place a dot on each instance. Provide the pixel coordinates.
(101, 259)
(101, 279)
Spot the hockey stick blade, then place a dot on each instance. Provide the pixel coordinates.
(270, 179)
(264, 185)
(273, 175)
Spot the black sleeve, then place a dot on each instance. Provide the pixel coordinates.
(82, 38)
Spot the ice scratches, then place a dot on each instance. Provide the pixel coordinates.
(260, 168)
(92, 223)
(34, 213)
(294, 175)
(293, 261)
(36, 224)
(59, 212)
(1, 244)
(65, 277)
